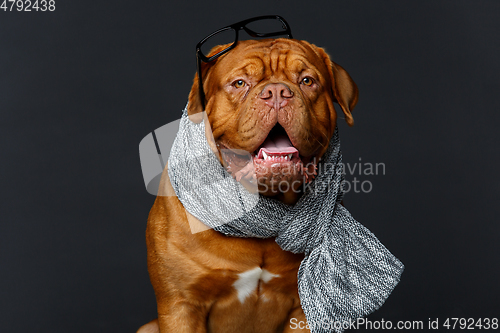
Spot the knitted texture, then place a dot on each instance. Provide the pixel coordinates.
(346, 273)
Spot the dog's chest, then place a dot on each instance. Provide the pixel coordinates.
(256, 297)
(252, 281)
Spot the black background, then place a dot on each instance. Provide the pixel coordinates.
(81, 86)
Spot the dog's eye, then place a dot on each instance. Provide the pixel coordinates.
(239, 84)
(307, 81)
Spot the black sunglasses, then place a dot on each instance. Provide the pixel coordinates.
(236, 27)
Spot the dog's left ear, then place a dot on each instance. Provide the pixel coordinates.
(344, 89)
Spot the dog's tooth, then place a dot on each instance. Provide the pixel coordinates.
(264, 155)
(290, 156)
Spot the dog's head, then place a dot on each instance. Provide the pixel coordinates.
(274, 99)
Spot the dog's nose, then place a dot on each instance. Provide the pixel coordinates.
(276, 95)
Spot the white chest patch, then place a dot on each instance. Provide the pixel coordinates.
(249, 281)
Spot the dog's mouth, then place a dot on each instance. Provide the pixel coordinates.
(277, 148)
(276, 161)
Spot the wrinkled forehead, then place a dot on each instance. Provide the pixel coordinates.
(272, 53)
(269, 45)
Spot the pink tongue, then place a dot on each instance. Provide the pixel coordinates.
(280, 145)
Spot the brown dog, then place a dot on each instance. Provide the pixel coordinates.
(274, 99)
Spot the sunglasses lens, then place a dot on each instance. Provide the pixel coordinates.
(224, 37)
(265, 26)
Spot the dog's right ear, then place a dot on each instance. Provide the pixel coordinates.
(194, 104)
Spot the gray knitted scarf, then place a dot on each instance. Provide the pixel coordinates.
(346, 273)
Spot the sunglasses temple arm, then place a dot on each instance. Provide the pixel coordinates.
(200, 85)
(202, 97)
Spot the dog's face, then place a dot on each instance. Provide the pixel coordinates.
(274, 99)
